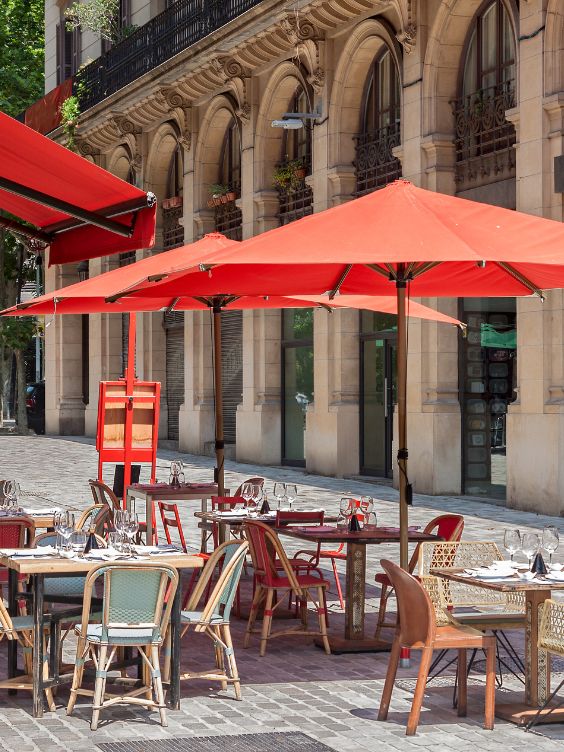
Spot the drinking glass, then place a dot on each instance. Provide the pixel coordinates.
(550, 540)
(247, 493)
(78, 541)
(115, 541)
(530, 545)
(251, 502)
(279, 492)
(131, 528)
(512, 542)
(291, 493)
(257, 496)
(366, 507)
(344, 511)
(66, 527)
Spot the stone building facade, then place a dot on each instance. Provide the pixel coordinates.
(459, 96)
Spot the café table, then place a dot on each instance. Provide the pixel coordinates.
(185, 492)
(354, 640)
(40, 568)
(537, 662)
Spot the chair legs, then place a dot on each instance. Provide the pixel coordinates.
(390, 679)
(266, 622)
(490, 686)
(424, 666)
(338, 583)
(230, 655)
(462, 680)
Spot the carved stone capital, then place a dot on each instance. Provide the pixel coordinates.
(227, 67)
(298, 29)
(317, 80)
(408, 37)
(86, 149)
(185, 140)
(122, 124)
(171, 97)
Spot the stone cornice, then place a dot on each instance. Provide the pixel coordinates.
(224, 61)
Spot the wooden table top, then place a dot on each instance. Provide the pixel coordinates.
(165, 491)
(61, 565)
(506, 585)
(382, 535)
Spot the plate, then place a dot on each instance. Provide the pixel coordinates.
(554, 577)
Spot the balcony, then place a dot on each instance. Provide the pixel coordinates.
(164, 36)
(484, 139)
(375, 164)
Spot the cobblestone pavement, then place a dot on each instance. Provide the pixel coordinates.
(295, 687)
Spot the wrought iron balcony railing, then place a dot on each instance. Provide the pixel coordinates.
(375, 165)
(484, 138)
(178, 27)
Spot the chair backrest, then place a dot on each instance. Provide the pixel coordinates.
(254, 481)
(416, 612)
(15, 530)
(232, 553)
(224, 503)
(171, 518)
(290, 517)
(133, 596)
(99, 515)
(59, 585)
(103, 494)
(266, 552)
(448, 526)
(551, 630)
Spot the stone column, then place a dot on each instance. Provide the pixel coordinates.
(64, 406)
(332, 420)
(197, 413)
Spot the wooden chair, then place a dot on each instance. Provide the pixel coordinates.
(417, 630)
(266, 553)
(103, 494)
(135, 615)
(213, 618)
(449, 527)
(254, 481)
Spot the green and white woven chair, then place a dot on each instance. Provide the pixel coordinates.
(134, 615)
(551, 639)
(213, 618)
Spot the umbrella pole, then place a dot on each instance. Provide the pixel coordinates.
(402, 419)
(219, 441)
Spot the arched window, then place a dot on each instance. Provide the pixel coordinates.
(484, 139)
(380, 132)
(295, 196)
(173, 232)
(228, 216)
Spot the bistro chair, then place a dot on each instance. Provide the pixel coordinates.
(15, 532)
(99, 515)
(449, 527)
(417, 630)
(135, 614)
(551, 639)
(20, 629)
(471, 605)
(213, 618)
(274, 575)
(254, 481)
(103, 494)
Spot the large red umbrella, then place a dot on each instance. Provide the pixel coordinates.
(93, 296)
(54, 195)
(416, 242)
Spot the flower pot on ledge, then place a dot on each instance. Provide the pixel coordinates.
(172, 203)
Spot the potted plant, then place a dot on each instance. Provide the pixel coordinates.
(172, 202)
(288, 175)
(218, 194)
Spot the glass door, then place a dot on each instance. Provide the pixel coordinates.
(297, 381)
(377, 397)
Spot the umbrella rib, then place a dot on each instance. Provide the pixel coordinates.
(338, 285)
(520, 278)
(427, 266)
(170, 309)
(379, 270)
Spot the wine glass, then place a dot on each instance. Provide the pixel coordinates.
(291, 493)
(78, 541)
(120, 523)
(279, 492)
(512, 541)
(344, 511)
(247, 493)
(366, 506)
(9, 492)
(530, 545)
(131, 528)
(252, 500)
(258, 495)
(550, 540)
(66, 527)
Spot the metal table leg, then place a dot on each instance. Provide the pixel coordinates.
(38, 581)
(13, 611)
(174, 692)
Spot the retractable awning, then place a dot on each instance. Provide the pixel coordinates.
(80, 210)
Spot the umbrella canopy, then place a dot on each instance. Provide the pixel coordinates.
(120, 286)
(76, 207)
(421, 243)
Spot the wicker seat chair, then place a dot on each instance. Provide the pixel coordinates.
(137, 601)
(551, 639)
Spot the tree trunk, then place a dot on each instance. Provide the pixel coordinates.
(21, 412)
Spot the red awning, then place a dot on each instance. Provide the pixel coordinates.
(79, 209)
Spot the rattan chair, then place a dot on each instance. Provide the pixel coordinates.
(551, 639)
(213, 618)
(268, 555)
(99, 515)
(134, 615)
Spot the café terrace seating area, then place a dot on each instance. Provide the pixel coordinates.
(102, 610)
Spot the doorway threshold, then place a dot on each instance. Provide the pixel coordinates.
(372, 479)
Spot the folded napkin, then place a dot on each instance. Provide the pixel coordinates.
(34, 553)
(41, 512)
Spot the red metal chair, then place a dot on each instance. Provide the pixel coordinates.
(266, 553)
(449, 527)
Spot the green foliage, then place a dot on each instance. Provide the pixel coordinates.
(286, 175)
(21, 54)
(16, 332)
(217, 189)
(100, 17)
(70, 111)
